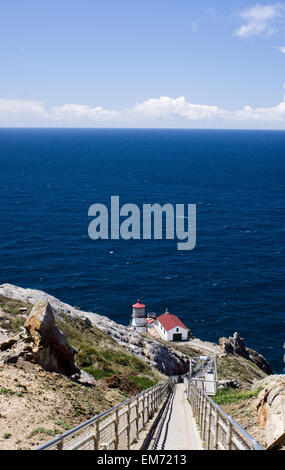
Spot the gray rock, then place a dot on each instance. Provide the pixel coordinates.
(235, 345)
(18, 350)
(6, 341)
(228, 383)
(83, 378)
(51, 349)
(271, 406)
(3, 315)
(260, 361)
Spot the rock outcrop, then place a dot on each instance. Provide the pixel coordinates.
(83, 378)
(228, 383)
(165, 359)
(270, 407)
(41, 342)
(16, 347)
(6, 341)
(235, 345)
(50, 347)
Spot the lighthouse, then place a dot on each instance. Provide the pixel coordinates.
(138, 317)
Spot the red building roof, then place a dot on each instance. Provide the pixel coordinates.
(169, 321)
(138, 304)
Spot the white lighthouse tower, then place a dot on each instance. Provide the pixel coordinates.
(138, 317)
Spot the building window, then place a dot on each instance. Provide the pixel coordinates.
(177, 329)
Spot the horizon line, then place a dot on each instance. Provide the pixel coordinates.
(141, 128)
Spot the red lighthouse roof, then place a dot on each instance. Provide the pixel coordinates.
(169, 321)
(138, 304)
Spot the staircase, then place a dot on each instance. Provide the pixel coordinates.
(164, 417)
(203, 374)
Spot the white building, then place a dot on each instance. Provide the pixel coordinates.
(171, 328)
(138, 322)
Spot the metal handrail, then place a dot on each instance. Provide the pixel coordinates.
(209, 364)
(198, 376)
(204, 409)
(59, 440)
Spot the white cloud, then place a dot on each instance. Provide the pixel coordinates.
(170, 107)
(75, 112)
(260, 19)
(165, 107)
(281, 49)
(154, 112)
(18, 107)
(271, 114)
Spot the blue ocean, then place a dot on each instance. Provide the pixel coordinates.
(234, 280)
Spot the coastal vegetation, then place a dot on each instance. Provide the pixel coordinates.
(226, 395)
(39, 402)
(100, 356)
(37, 405)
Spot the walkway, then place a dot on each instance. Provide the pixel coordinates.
(177, 429)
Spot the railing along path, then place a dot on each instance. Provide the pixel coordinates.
(116, 428)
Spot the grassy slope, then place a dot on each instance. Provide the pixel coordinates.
(102, 357)
(239, 403)
(11, 310)
(99, 355)
(57, 403)
(236, 367)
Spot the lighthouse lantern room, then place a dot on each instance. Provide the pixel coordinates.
(138, 317)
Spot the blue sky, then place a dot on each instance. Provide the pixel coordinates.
(142, 63)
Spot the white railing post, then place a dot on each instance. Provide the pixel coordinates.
(137, 418)
(96, 436)
(129, 426)
(59, 445)
(209, 427)
(201, 409)
(143, 411)
(200, 401)
(206, 421)
(204, 417)
(117, 429)
(216, 429)
(229, 435)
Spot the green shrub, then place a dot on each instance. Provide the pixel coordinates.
(6, 391)
(60, 422)
(143, 382)
(40, 430)
(99, 374)
(229, 395)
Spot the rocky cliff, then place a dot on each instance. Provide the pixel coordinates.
(235, 345)
(270, 406)
(166, 360)
(54, 356)
(166, 357)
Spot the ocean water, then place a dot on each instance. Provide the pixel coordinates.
(234, 280)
